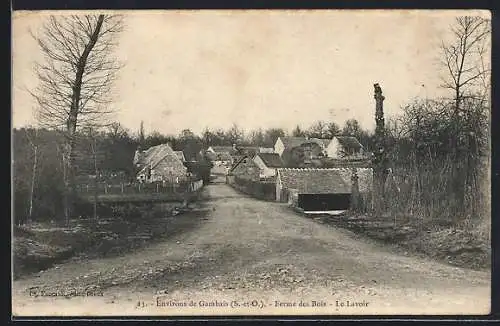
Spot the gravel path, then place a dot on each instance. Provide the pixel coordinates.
(246, 256)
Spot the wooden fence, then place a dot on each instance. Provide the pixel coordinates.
(139, 188)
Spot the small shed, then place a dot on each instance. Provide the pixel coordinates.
(313, 190)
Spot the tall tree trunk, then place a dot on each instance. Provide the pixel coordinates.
(71, 123)
(69, 184)
(380, 160)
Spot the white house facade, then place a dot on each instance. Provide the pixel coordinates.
(279, 147)
(344, 147)
(265, 171)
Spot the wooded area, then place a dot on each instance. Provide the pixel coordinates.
(437, 149)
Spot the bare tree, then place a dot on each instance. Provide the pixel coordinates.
(467, 75)
(116, 130)
(319, 129)
(235, 134)
(466, 70)
(333, 130)
(298, 132)
(75, 78)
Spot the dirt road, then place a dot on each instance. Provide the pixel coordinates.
(246, 256)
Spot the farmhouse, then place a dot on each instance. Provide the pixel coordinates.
(344, 147)
(159, 163)
(306, 154)
(268, 163)
(284, 144)
(303, 151)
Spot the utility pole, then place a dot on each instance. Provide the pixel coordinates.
(380, 157)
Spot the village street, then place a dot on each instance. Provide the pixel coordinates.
(253, 257)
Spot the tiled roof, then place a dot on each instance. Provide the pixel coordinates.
(162, 151)
(328, 162)
(349, 142)
(314, 181)
(291, 142)
(271, 160)
(153, 155)
(323, 141)
(180, 155)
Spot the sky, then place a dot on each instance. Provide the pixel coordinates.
(258, 69)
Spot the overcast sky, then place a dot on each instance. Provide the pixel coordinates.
(197, 69)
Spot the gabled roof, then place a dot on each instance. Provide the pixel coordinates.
(325, 142)
(329, 162)
(290, 142)
(162, 151)
(180, 155)
(271, 160)
(154, 155)
(314, 181)
(349, 142)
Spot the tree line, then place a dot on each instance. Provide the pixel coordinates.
(108, 151)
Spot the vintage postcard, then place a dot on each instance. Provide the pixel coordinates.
(251, 162)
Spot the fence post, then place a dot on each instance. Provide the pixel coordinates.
(105, 188)
(87, 188)
(122, 187)
(354, 190)
(157, 190)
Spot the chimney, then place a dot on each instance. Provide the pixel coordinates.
(137, 156)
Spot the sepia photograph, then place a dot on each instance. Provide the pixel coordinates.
(251, 163)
